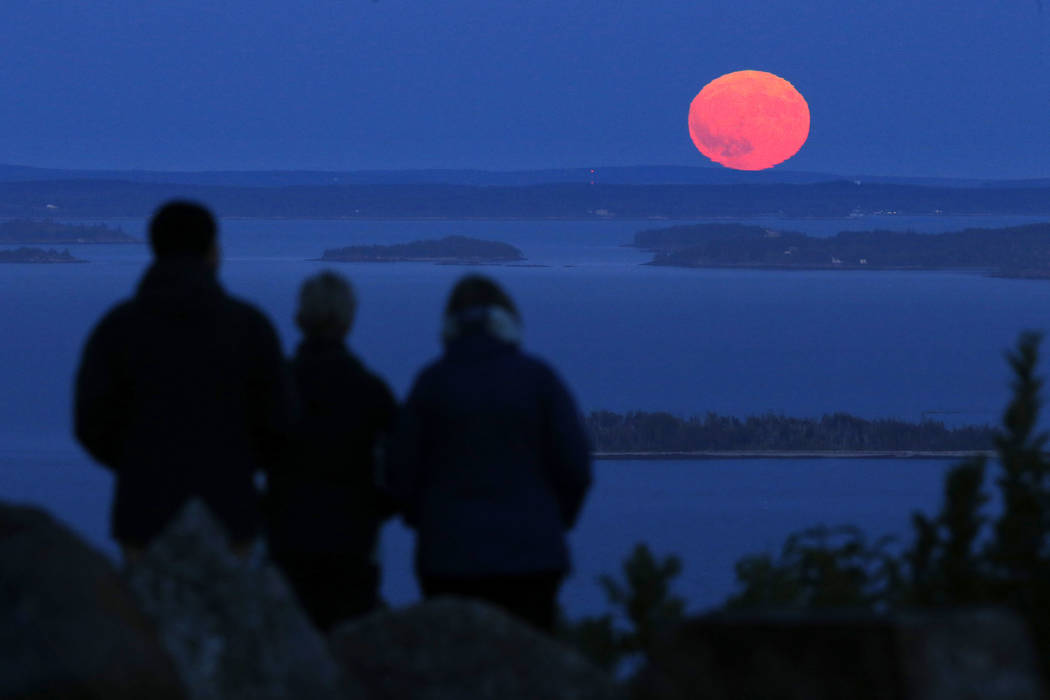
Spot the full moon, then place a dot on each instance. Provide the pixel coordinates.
(749, 120)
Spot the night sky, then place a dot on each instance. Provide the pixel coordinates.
(895, 87)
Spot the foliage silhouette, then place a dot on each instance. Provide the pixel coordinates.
(643, 600)
(817, 568)
(959, 557)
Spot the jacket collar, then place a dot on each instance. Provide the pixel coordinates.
(318, 344)
(321, 346)
(476, 345)
(493, 321)
(179, 276)
(179, 281)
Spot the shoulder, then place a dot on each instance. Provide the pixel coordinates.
(116, 320)
(119, 313)
(249, 317)
(538, 369)
(548, 381)
(245, 311)
(427, 378)
(431, 372)
(376, 385)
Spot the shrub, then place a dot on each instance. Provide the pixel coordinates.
(958, 557)
(642, 603)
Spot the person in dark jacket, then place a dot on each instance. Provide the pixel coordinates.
(182, 390)
(325, 505)
(490, 462)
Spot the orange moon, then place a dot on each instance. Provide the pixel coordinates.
(749, 120)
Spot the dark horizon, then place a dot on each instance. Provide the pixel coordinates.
(647, 174)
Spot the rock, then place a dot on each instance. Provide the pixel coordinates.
(69, 626)
(966, 655)
(452, 648)
(957, 655)
(233, 626)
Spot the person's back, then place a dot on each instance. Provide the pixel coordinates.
(324, 505)
(494, 467)
(490, 463)
(182, 390)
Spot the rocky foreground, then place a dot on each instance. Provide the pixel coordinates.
(190, 620)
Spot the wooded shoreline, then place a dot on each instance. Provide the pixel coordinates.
(792, 454)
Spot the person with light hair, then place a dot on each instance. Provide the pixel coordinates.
(326, 306)
(490, 463)
(325, 504)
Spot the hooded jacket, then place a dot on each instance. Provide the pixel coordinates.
(182, 391)
(491, 462)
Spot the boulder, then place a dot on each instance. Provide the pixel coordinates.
(966, 655)
(232, 625)
(69, 625)
(937, 655)
(453, 648)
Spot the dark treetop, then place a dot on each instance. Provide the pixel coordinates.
(448, 249)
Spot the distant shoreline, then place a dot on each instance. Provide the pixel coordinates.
(1011, 251)
(37, 256)
(789, 454)
(23, 231)
(697, 218)
(79, 199)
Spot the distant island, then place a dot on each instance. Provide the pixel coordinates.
(452, 249)
(1017, 251)
(640, 432)
(37, 255)
(30, 231)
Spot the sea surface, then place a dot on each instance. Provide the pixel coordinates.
(623, 335)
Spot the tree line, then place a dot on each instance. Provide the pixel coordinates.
(1015, 248)
(640, 431)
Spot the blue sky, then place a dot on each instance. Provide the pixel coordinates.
(895, 87)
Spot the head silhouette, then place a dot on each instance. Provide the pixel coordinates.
(326, 306)
(182, 229)
(479, 291)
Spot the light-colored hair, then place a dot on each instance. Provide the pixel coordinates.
(326, 305)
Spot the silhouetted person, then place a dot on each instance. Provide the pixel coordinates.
(324, 504)
(182, 390)
(490, 462)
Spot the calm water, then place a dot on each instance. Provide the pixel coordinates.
(624, 336)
